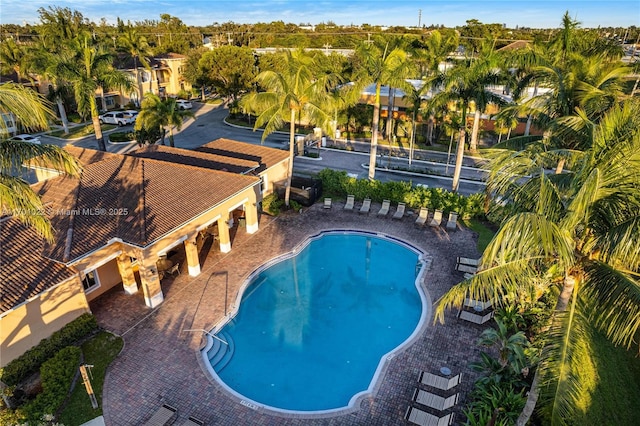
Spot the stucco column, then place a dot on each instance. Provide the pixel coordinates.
(251, 216)
(126, 273)
(223, 234)
(150, 282)
(193, 260)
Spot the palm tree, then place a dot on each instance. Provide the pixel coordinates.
(163, 114)
(12, 58)
(380, 66)
(577, 232)
(136, 47)
(16, 196)
(292, 92)
(89, 68)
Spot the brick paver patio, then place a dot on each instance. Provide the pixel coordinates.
(161, 363)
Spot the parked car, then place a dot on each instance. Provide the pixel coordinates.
(117, 117)
(132, 113)
(26, 138)
(183, 104)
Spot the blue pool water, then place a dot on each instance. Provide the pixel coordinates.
(311, 330)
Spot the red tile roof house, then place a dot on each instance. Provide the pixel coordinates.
(124, 213)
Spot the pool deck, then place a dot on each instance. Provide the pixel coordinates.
(161, 363)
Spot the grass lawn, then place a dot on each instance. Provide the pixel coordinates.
(99, 351)
(610, 378)
(485, 234)
(79, 131)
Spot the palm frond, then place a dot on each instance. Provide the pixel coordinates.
(18, 200)
(28, 106)
(613, 299)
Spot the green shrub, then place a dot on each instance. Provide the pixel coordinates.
(294, 205)
(272, 204)
(339, 184)
(56, 375)
(74, 118)
(29, 362)
(122, 136)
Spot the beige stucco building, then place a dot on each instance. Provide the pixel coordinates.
(128, 221)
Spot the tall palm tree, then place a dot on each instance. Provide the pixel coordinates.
(577, 232)
(16, 196)
(379, 66)
(90, 68)
(12, 58)
(135, 46)
(293, 91)
(163, 114)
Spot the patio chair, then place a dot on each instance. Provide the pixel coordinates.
(422, 216)
(477, 304)
(327, 203)
(437, 219)
(366, 206)
(417, 416)
(192, 421)
(164, 416)
(466, 268)
(475, 318)
(350, 202)
(434, 401)
(452, 223)
(399, 214)
(467, 261)
(439, 382)
(385, 208)
(175, 268)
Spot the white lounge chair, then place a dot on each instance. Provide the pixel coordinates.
(466, 268)
(475, 318)
(477, 304)
(164, 416)
(434, 401)
(192, 421)
(366, 206)
(468, 261)
(452, 223)
(439, 382)
(399, 214)
(437, 219)
(385, 208)
(350, 202)
(417, 416)
(422, 216)
(327, 203)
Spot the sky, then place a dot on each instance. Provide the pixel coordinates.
(531, 13)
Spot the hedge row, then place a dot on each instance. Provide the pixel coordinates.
(18, 369)
(57, 376)
(340, 184)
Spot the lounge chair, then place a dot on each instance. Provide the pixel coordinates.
(366, 206)
(466, 268)
(164, 416)
(452, 223)
(439, 382)
(327, 203)
(399, 214)
(468, 261)
(475, 318)
(422, 216)
(437, 219)
(385, 208)
(477, 304)
(417, 416)
(192, 421)
(350, 202)
(434, 401)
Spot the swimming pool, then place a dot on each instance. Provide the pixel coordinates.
(314, 328)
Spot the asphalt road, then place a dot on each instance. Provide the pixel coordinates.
(209, 125)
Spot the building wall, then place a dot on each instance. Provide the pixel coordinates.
(276, 173)
(108, 276)
(23, 327)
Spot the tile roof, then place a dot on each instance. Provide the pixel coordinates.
(24, 273)
(88, 156)
(134, 199)
(266, 156)
(196, 158)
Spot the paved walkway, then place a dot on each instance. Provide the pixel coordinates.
(160, 362)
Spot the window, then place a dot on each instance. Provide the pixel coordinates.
(264, 185)
(90, 281)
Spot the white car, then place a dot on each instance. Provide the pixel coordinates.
(117, 117)
(131, 113)
(26, 138)
(183, 104)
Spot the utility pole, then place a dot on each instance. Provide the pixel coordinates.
(419, 17)
(326, 46)
(229, 39)
(87, 384)
(368, 40)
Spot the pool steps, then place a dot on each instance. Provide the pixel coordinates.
(220, 354)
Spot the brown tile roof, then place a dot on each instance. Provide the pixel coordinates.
(267, 157)
(196, 158)
(24, 273)
(88, 156)
(518, 44)
(134, 199)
